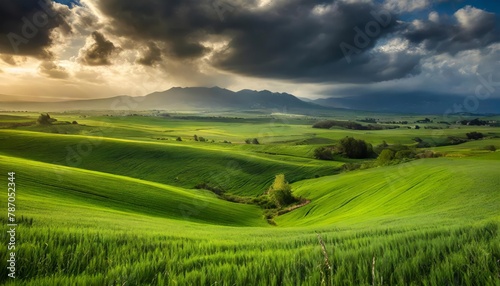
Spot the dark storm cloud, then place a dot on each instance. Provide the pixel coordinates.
(100, 52)
(180, 24)
(313, 43)
(293, 40)
(469, 28)
(26, 26)
(151, 56)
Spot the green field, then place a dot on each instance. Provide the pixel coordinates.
(112, 200)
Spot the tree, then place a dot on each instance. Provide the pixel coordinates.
(178, 139)
(280, 192)
(255, 141)
(195, 137)
(385, 156)
(45, 119)
(354, 149)
(74, 122)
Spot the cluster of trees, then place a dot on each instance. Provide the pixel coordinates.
(348, 147)
(45, 119)
(475, 122)
(395, 122)
(200, 139)
(369, 120)
(426, 120)
(327, 124)
(400, 153)
(252, 141)
(354, 148)
(474, 135)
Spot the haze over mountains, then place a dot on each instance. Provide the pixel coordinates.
(413, 102)
(191, 98)
(215, 98)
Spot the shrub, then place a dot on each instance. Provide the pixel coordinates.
(452, 140)
(385, 156)
(404, 154)
(178, 139)
(428, 154)
(74, 122)
(323, 153)
(490, 148)
(280, 192)
(255, 141)
(351, 166)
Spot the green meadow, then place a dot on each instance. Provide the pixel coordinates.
(116, 200)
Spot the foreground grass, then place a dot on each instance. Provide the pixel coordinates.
(174, 255)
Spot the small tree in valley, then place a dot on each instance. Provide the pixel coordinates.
(280, 192)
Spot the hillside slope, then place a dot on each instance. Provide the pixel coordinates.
(38, 190)
(420, 191)
(181, 165)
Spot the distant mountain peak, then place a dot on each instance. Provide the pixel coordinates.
(187, 98)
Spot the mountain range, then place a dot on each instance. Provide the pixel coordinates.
(220, 99)
(177, 99)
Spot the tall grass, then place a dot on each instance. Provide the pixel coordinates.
(457, 255)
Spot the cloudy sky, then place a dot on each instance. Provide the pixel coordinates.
(51, 51)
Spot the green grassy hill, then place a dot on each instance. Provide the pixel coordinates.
(95, 191)
(420, 191)
(119, 208)
(183, 165)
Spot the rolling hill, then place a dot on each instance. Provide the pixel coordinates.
(420, 191)
(125, 212)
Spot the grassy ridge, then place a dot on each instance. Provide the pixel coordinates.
(181, 165)
(426, 190)
(89, 189)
